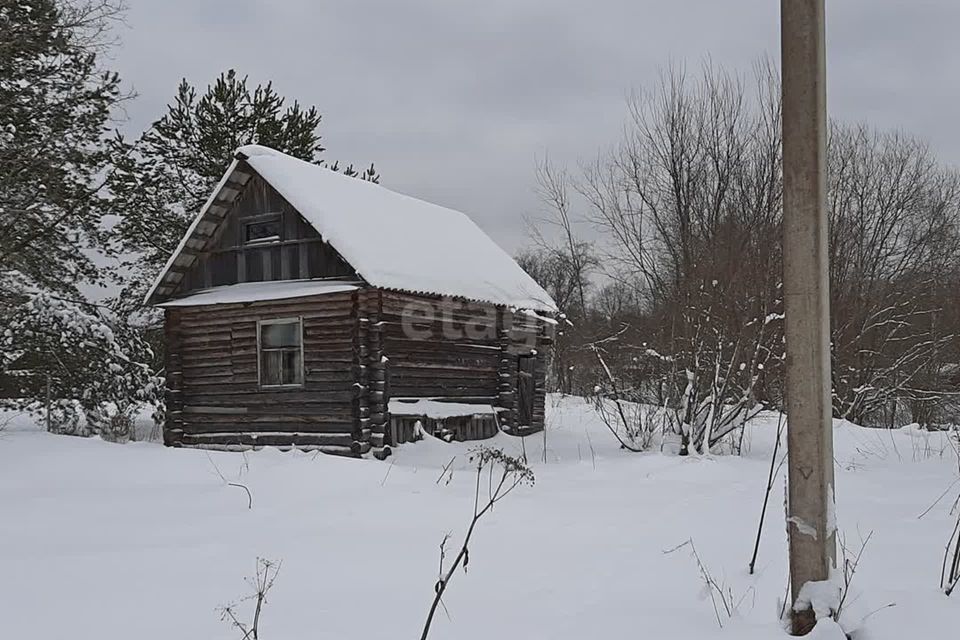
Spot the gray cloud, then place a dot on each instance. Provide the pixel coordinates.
(454, 100)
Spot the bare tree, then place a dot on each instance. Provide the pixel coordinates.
(563, 264)
(894, 245)
(562, 275)
(689, 205)
(554, 191)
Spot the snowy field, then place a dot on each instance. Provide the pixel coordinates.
(115, 542)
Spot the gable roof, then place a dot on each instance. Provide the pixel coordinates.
(393, 241)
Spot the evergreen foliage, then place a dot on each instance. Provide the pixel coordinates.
(78, 363)
(57, 153)
(175, 165)
(55, 145)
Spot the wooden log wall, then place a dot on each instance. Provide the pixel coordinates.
(464, 351)
(523, 335)
(376, 391)
(453, 352)
(217, 391)
(358, 353)
(173, 366)
(361, 403)
(506, 372)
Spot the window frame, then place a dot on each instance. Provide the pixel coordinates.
(260, 351)
(246, 222)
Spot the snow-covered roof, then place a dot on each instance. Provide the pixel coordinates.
(255, 291)
(394, 241)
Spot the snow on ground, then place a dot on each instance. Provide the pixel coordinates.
(139, 541)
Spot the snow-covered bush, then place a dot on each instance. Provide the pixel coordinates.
(634, 424)
(84, 372)
(702, 385)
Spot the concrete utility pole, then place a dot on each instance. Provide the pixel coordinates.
(807, 300)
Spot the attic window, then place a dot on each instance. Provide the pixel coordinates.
(280, 346)
(263, 230)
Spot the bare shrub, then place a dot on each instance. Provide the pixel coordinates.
(240, 485)
(849, 561)
(725, 603)
(774, 471)
(636, 426)
(260, 583)
(950, 571)
(503, 474)
(629, 423)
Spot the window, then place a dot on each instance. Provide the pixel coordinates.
(267, 230)
(281, 353)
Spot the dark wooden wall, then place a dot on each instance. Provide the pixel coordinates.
(524, 336)
(472, 354)
(453, 365)
(214, 397)
(299, 253)
(357, 356)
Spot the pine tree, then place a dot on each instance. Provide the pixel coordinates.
(77, 365)
(55, 145)
(57, 153)
(178, 161)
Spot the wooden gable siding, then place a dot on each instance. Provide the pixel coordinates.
(214, 396)
(299, 253)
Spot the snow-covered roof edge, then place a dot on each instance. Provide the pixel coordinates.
(321, 197)
(260, 291)
(190, 230)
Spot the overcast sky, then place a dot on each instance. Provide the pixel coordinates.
(454, 100)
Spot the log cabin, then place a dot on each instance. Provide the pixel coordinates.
(304, 308)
